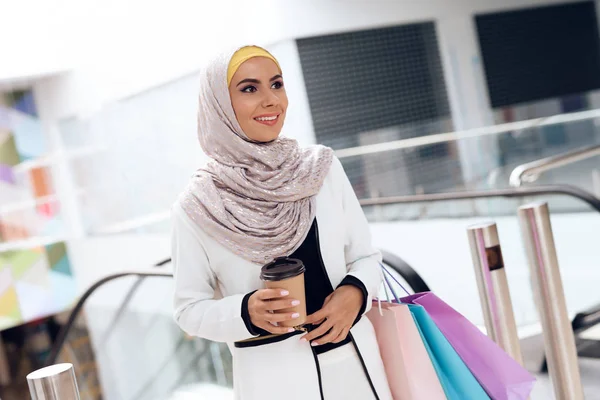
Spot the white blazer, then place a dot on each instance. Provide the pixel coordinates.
(211, 281)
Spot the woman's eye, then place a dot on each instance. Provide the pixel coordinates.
(249, 89)
(277, 85)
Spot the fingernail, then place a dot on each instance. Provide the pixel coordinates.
(302, 340)
(295, 315)
(284, 292)
(291, 330)
(313, 344)
(295, 302)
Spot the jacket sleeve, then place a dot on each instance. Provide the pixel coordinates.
(197, 312)
(362, 259)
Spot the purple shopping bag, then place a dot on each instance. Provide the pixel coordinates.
(500, 375)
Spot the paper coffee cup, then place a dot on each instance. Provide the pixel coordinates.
(288, 274)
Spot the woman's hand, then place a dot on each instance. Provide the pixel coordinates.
(263, 306)
(336, 317)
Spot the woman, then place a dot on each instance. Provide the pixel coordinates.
(263, 197)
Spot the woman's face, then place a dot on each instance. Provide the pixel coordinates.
(259, 99)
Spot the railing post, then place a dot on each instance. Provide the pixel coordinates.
(493, 288)
(559, 340)
(56, 382)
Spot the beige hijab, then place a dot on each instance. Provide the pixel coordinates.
(256, 199)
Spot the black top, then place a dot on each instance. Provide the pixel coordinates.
(317, 287)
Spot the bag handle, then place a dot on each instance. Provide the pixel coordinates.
(388, 285)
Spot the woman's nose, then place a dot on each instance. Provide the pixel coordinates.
(270, 99)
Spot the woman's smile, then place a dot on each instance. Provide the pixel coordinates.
(267, 119)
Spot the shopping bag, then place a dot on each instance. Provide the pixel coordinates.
(501, 376)
(408, 367)
(456, 379)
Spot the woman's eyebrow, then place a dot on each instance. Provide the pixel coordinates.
(248, 80)
(256, 81)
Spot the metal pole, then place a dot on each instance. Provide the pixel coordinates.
(493, 288)
(559, 340)
(56, 382)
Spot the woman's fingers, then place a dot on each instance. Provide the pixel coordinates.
(271, 294)
(320, 331)
(318, 316)
(262, 307)
(280, 317)
(276, 330)
(319, 322)
(275, 305)
(265, 307)
(343, 335)
(328, 338)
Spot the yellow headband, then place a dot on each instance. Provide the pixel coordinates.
(243, 55)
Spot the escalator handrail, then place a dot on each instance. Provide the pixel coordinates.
(540, 190)
(64, 331)
(126, 301)
(530, 171)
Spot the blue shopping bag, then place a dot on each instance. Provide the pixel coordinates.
(457, 380)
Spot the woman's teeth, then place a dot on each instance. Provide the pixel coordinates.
(273, 118)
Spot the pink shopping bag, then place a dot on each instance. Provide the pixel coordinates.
(408, 368)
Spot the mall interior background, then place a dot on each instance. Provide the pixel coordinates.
(98, 105)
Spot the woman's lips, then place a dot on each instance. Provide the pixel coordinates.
(269, 120)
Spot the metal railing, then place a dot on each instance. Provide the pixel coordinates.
(64, 331)
(542, 190)
(531, 171)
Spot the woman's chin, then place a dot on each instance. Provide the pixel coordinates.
(264, 137)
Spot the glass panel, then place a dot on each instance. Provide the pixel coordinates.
(486, 207)
(132, 350)
(480, 159)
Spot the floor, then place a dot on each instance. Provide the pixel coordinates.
(532, 350)
(590, 377)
